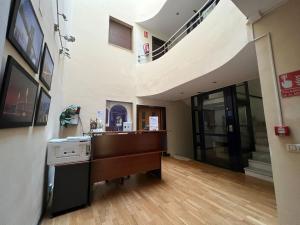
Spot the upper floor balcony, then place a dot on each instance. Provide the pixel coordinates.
(212, 49)
(176, 37)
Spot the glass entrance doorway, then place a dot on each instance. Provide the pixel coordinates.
(222, 127)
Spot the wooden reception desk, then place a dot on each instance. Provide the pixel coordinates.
(116, 155)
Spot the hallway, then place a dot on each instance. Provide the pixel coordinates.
(190, 193)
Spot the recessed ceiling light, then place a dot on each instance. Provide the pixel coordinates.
(177, 14)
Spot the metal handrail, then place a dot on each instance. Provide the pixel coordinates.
(170, 43)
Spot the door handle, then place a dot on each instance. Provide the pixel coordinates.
(230, 128)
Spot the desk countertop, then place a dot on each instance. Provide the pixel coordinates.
(126, 132)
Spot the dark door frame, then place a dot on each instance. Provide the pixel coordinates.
(233, 133)
(162, 50)
(197, 110)
(163, 113)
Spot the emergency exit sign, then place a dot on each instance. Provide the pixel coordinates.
(290, 84)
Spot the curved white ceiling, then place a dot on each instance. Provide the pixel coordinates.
(166, 21)
(147, 9)
(255, 9)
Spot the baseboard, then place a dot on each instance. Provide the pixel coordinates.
(179, 157)
(165, 154)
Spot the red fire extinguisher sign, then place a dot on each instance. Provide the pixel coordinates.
(290, 84)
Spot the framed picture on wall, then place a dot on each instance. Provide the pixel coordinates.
(25, 33)
(47, 66)
(18, 96)
(42, 109)
(117, 113)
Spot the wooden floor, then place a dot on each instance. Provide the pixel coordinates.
(190, 193)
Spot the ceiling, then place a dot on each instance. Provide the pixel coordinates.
(166, 22)
(255, 9)
(242, 67)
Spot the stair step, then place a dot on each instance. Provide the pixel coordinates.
(260, 128)
(262, 148)
(260, 165)
(261, 156)
(261, 134)
(260, 174)
(261, 141)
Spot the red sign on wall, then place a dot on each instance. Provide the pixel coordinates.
(145, 34)
(290, 84)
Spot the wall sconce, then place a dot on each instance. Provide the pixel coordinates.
(63, 16)
(69, 38)
(62, 52)
(66, 49)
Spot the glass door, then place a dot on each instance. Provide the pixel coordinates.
(215, 146)
(222, 128)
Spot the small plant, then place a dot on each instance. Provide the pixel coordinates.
(67, 115)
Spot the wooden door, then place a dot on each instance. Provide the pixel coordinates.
(143, 114)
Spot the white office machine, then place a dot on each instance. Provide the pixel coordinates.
(65, 158)
(127, 126)
(68, 150)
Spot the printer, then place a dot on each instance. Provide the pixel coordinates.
(69, 150)
(68, 165)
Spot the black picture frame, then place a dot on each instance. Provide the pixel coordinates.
(28, 40)
(42, 109)
(47, 67)
(18, 96)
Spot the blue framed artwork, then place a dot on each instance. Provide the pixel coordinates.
(116, 114)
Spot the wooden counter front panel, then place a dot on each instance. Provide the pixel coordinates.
(120, 166)
(132, 143)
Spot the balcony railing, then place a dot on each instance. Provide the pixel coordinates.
(185, 29)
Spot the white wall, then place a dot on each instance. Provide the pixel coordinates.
(283, 25)
(179, 125)
(99, 71)
(141, 40)
(23, 150)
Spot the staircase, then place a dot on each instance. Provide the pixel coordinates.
(260, 164)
